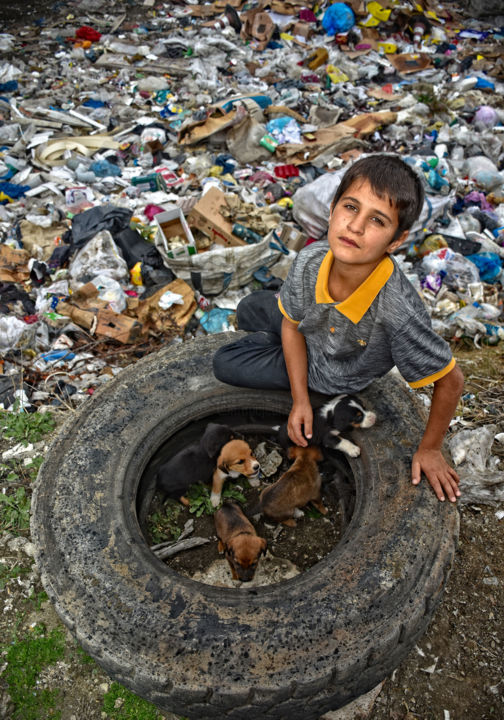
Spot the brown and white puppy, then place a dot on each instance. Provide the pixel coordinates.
(300, 484)
(238, 541)
(216, 456)
(235, 459)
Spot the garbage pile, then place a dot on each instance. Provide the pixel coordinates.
(160, 161)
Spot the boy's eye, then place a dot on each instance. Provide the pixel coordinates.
(378, 220)
(348, 206)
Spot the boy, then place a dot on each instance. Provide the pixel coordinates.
(346, 315)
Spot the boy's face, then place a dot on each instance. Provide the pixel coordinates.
(362, 226)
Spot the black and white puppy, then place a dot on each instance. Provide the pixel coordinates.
(338, 414)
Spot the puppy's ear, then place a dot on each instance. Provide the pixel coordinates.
(214, 437)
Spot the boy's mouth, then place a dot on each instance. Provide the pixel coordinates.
(348, 241)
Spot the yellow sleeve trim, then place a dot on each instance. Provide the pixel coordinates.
(433, 378)
(282, 310)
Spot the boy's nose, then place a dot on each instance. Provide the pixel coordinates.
(357, 224)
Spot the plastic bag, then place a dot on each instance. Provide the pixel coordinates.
(338, 18)
(458, 272)
(111, 292)
(216, 320)
(222, 268)
(489, 265)
(11, 330)
(480, 478)
(99, 256)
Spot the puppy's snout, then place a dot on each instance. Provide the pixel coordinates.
(255, 466)
(369, 419)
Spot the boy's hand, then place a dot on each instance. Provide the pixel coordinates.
(442, 478)
(300, 416)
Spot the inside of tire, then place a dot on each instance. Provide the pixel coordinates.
(303, 546)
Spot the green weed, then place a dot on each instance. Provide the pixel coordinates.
(164, 524)
(15, 471)
(199, 498)
(26, 427)
(25, 659)
(83, 656)
(311, 511)
(15, 511)
(7, 573)
(121, 704)
(37, 598)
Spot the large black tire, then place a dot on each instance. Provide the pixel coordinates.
(292, 650)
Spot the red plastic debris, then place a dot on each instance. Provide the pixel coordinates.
(307, 15)
(30, 319)
(88, 33)
(286, 171)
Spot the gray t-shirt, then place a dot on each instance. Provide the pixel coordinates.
(350, 343)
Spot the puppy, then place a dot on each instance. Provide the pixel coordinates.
(342, 412)
(197, 462)
(239, 541)
(235, 459)
(298, 486)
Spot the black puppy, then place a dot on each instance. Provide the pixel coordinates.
(195, 463)
(342, 412)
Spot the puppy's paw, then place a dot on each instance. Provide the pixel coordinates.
(348, 448)
(298, 513)
(215, 499)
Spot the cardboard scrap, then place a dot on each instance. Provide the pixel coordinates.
(337, 138)
(407, 63)
(206, 216)
(13, 264)
(257, 25)
(156, 320)
(118, 326)
(40, 242)
(141, 318)
(193, 132)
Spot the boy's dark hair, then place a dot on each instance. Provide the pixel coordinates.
(391, 176)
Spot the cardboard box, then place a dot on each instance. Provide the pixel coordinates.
(205, 216)
(302, 29)
(171, 224)
(293, 238)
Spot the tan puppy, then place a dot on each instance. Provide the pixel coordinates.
(239, 541)
(298, 486)
(235, 459)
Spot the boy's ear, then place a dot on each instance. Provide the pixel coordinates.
(397, 242)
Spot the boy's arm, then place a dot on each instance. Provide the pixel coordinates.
(296, 360)
(429, 458)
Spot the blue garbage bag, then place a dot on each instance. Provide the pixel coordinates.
(338, 18)
(489, 265)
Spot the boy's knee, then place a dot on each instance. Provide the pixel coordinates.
(220, 365)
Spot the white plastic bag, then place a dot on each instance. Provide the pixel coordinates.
(222, 268)
(111, 292)
(100, 256)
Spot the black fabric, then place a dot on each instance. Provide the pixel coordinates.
(87, 224)
(257, 360)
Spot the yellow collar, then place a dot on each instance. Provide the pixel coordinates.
(359, 302)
